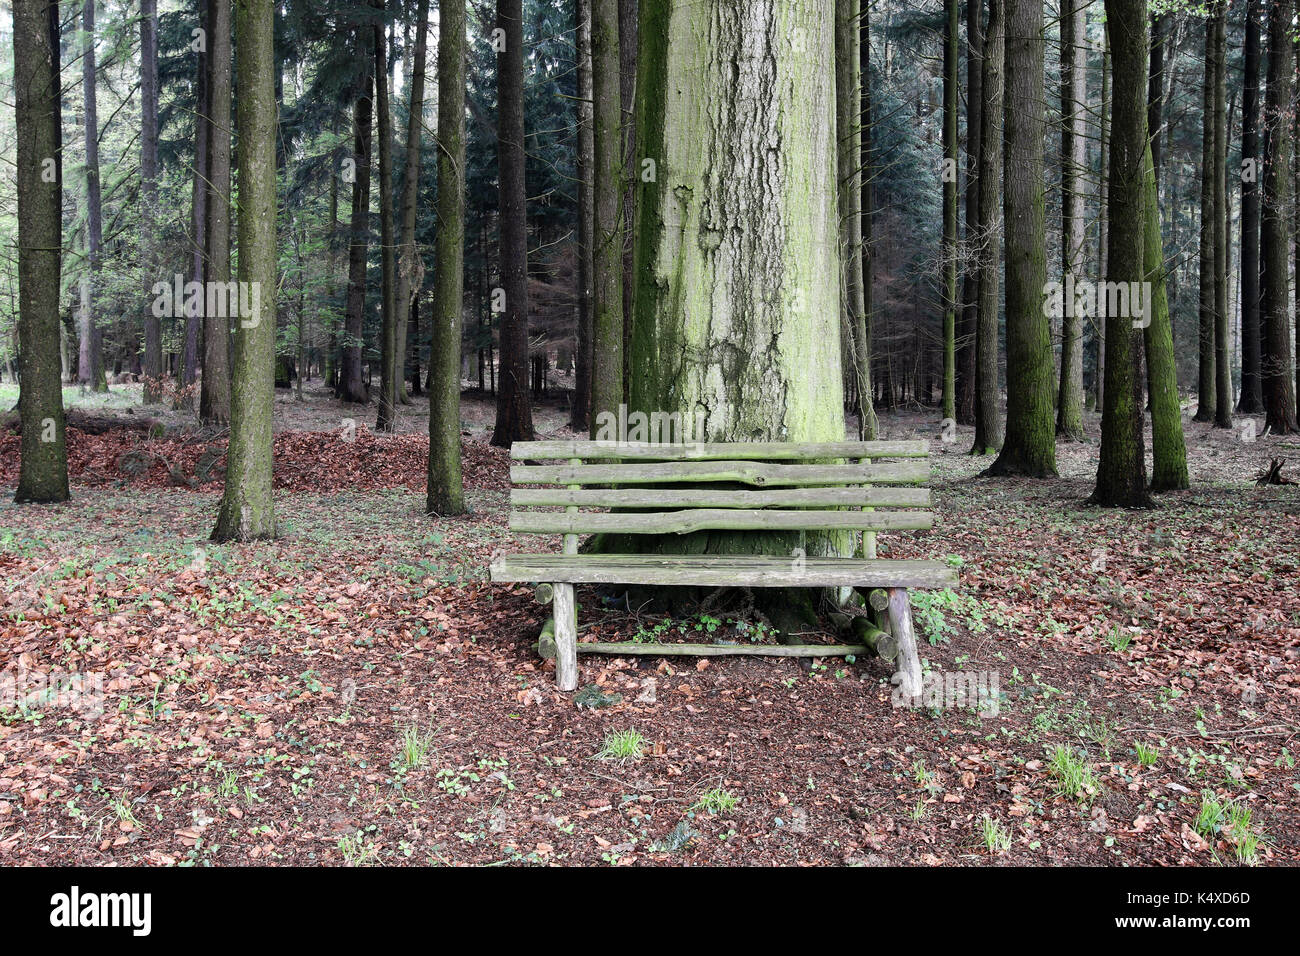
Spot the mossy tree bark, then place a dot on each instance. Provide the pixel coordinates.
(214, 394)
(1029, 447)
(43, 467)
(247, 507)
(988, 414)
(1074, 156)
(580, 417)
(1168, 448)
(514, 420)
(1121, 473)
(1275, 228)
(445, 493)
(607, 187)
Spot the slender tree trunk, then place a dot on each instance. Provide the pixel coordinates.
(988, 414)
(43, 464)
(446, 495)
(970, 273)
(1251, 401)
(1103, 206)
(1168, 448)
(1074, 155)
(1275, 228)
(607, 241)
(1121, 472)
(949, 252)
(1030, 444)
(153, 358)
(248, 507)
(848, 100)
(410, 268)
(627, 53)
(1206, 392)
(1222, 326)
(352, 387)
(199, 207)
(581, 415)
(214, 397)
(390, 367)
(514, 409)
(91, 371)
(868, 427)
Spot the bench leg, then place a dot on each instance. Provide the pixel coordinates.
(566, 638)
(909, 662)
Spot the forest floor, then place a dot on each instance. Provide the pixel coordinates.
(356, 692)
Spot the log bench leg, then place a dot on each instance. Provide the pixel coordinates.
(909, 662)
(566, 637)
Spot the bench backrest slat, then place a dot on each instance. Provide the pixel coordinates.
(754, 473)
(715, 451)
(682, 497)
(715, 519)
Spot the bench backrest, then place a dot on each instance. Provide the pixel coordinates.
(738, 486)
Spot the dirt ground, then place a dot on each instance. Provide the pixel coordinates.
(357, 693)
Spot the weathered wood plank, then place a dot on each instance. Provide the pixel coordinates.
(722, 519)
(705, 451)
(758, 474)
(566, 637)
(909, 662)
(722, 498)
(725, 650)
(713, 570)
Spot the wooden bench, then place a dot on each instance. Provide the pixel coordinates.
(747, 486)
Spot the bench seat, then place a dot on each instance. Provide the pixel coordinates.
(714, 570)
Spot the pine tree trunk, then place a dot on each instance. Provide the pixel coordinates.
(970, 274)
(91, 364)
(1074, 155)
(1168, 449)
(214, 397)
(153, 358)
(247, 507)
(1206, 391)
(1103, 182)
(1029, 447)
(580, 418)
(445, 493)
(1121, 472)
(1251, 401)
(628, 31)
(514, 408)
(988, 414)
(607, 240)
(390, 367)
(43, 463)
(198, 208)
(949, 252)
(352, 387)
(1275, 227)
(410, 268)
(868, 427)
(1222, 326)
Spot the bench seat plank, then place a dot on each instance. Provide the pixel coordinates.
(720, 570)
(723, 498)
(705, 451)
(720, 519)
(761, 474)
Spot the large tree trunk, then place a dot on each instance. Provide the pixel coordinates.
(352, 387)
(949, 251)
(988, 414)
(1168, 449)
(1251, 401)
(390, 368)
(1121, 473)
(247, 506)
(1219, 173)
(153, 358)
(970, 274)
(580, 418)
(848, 100)
(214, 397)
(410, 268)
(514, 409)
(1275, 363)
(607, 240)
(628, 32)
(91, 357)
(445, 492)
(43, 466)
(1074, 156)
(1206, 393)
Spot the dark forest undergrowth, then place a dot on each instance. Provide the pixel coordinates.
(355, 692)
